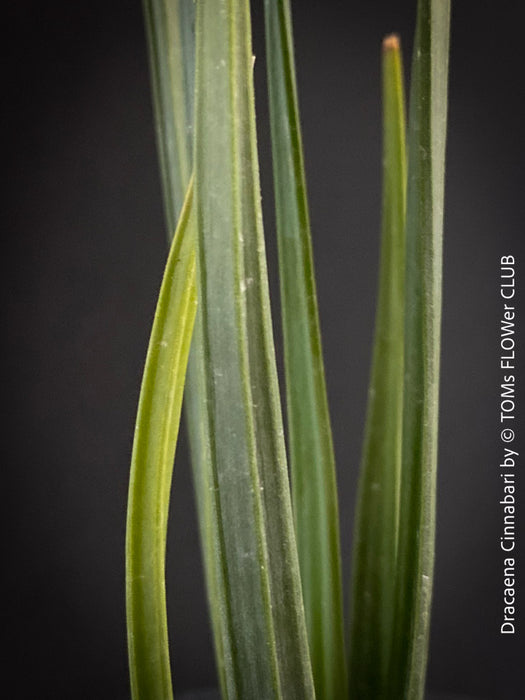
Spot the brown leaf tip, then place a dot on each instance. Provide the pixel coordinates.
(391, 43)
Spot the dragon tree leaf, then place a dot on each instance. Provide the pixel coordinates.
(312, 463)
(152, 466)
(424, 234)
(377, 514)
(256, 586)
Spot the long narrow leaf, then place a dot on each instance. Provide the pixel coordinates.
(424, 231)
(173, 79)
(377, 515)
(171, 55)
(152, 465)
(310, 438)
(257, 590)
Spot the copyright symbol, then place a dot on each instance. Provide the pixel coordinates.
(507, 435)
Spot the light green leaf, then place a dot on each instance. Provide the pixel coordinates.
(310, 438)
(255, 591)
(152, 465)
(424, 232)
(377, 515)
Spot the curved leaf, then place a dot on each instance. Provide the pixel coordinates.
(152, 465)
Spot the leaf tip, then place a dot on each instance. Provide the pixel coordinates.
(391, 43)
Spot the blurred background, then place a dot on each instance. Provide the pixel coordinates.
(84, 252)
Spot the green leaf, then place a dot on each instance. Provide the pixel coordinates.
(377, 515)
(152, 465)
(171, 45)
(171, 42)
(310, 438)
(424, 232)
(255, 593)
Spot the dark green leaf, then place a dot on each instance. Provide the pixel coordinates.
(255, 586)
(424, 232)
(377, 516)
(310, 437)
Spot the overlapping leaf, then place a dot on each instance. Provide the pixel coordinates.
(258, 589)
(171, 48)
(377, 516)
(152, 465)
(424, 235)
(312, 462)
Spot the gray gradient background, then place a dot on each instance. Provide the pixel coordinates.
(84, 253)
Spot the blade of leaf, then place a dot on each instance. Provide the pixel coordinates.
(424, 232)
(258, 590)
(171, 56)
(152, 465)
(171, 41)
(377, 514)
(310, 438)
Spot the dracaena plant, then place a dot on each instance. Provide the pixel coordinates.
(271, 553)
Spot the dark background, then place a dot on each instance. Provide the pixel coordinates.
(84, 252)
